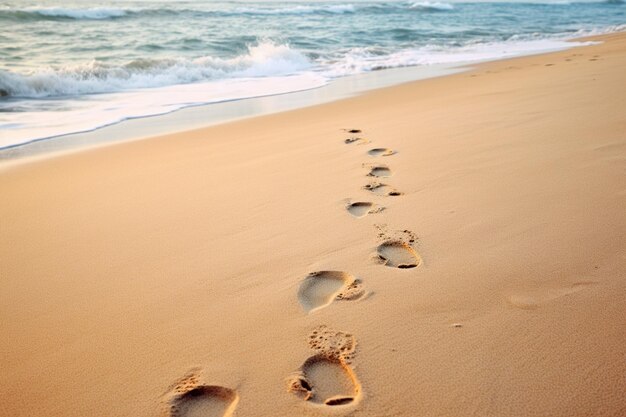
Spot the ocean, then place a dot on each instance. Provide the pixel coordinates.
(76, 66)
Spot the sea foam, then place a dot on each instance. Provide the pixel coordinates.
(83, 114)
(71, 66)
(435, 6)
(359, 60)
(262, 60)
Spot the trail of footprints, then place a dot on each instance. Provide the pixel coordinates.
(325, 379)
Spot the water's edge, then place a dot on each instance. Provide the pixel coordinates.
(210, 114)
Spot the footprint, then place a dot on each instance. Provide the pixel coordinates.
(398, 254)
(319, 289)
(190, 398)
(380, 171)
(205, 401)
(326, 378)
(382, 189)
(363, 208)
(352, 130)
(381, 152)
(326, 381)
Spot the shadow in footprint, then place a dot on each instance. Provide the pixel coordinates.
(326, 381)
(319, 289)
(360, 209)
(380, 171)
(381, 152)
(204, 401)
(398, 254)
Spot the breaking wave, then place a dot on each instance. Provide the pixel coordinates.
(96, 13)
(262, 60)
(432, 6)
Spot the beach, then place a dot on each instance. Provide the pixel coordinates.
(228, 271)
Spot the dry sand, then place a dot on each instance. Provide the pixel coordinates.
(211, 272)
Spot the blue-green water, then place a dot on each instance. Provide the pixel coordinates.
(68, 66)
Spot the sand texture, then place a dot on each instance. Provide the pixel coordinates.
(461, 253)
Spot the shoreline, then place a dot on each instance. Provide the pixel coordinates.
(469, 245)
(212, 114)
(187, 118)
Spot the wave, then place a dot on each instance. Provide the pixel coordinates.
(262, 60)
(96, 13)
(335, 9)
(376, 8)
(101, 13)
(147, 87)
(557, 2)
(431, 6)
(359, 60)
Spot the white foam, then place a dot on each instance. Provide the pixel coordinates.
(266, 69)
(599, 31)
(264, 59)
(428, 5)
(92, 112)
(359, 60)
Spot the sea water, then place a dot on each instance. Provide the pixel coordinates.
(71, 66)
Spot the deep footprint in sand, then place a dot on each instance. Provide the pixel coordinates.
(319, 289)
(398, 254)
(382, 189)
(326, 378)
(381, 152)
(360, 209)
(190, 398)
(206, 401)
(380, 171)
(326, 381)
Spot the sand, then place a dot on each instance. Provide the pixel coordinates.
(227, 270)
